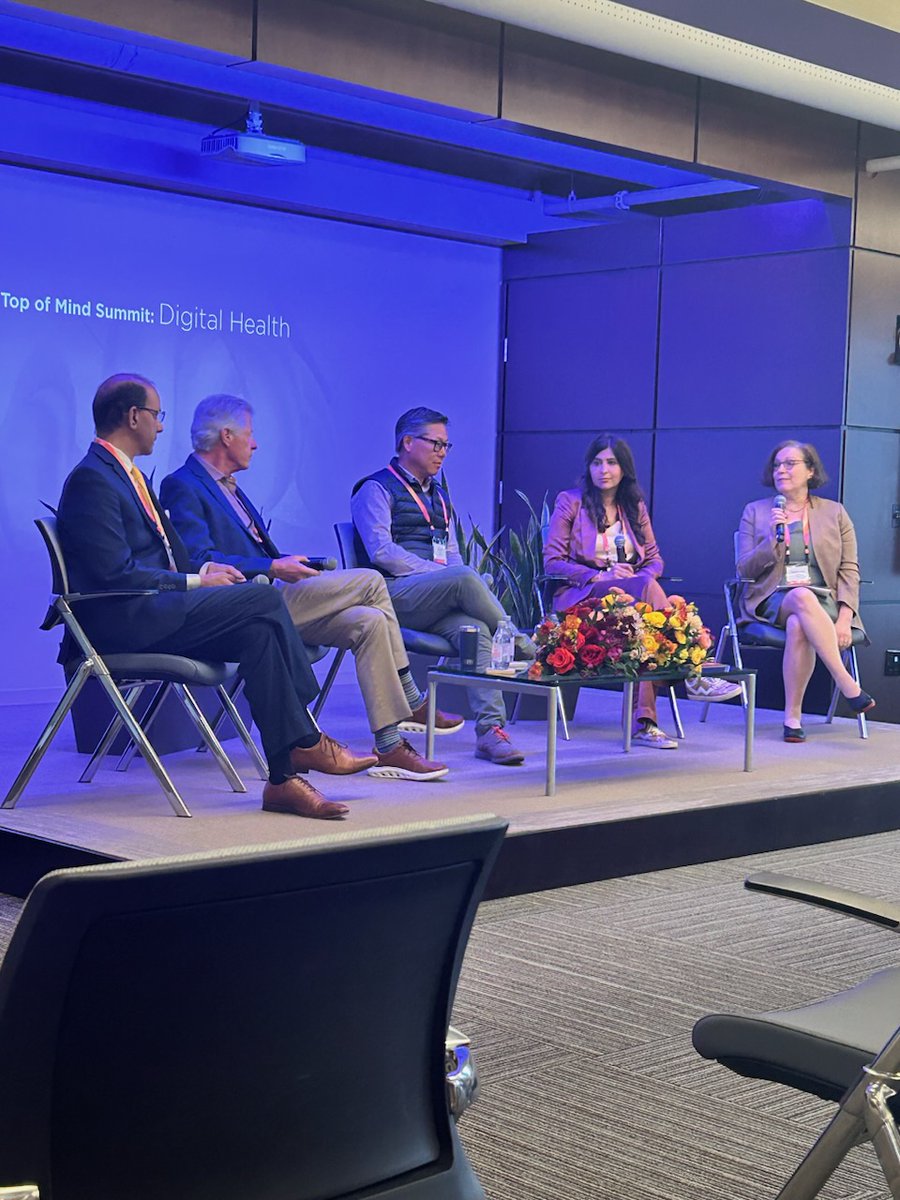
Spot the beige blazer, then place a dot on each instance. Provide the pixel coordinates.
(761, 560)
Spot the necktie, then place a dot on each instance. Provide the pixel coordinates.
(144, 493)
(230, 484)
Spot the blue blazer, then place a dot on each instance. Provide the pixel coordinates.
(210, 527)
(111, 544)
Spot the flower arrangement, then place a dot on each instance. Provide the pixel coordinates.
(621, 634)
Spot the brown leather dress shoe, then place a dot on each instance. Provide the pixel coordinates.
(331, 757)
(443, 722)
(298, 797)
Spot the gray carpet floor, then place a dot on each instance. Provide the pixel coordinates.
(580, 1004)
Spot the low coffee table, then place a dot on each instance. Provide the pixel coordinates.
(551, 685)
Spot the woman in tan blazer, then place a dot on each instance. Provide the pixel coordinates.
(600, 538)
(799, 552)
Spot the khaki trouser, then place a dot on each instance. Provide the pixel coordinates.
(352, 610)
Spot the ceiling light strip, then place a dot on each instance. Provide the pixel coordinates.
(651, 38)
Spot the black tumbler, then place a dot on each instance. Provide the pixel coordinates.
(468, 647)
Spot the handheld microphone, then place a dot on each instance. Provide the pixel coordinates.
(619, 540)
(319, 562)
(260, 579)
(780, 502)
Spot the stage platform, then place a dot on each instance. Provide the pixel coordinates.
(613, 814)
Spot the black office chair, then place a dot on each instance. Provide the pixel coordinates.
(844, 1048)
(266, 1022)
(431, 645)
(758, 635)
(133, 672)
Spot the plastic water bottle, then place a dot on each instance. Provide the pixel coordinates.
(503, 647)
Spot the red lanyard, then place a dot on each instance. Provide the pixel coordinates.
(429, 517)
(805, 528)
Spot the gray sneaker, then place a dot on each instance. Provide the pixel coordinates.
(496, 747)
(709, 688)
(651, 735)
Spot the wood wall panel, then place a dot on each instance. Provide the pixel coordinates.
(411, 49)
(775, 139)
(873, 385)
(222, 25)
(558, 85)
(878, 196)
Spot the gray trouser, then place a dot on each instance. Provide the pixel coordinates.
(439, 602)
(352, 610)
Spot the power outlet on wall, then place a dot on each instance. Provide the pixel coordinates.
(892, 662)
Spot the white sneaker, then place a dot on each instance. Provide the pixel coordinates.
(652, 735)
(710, 689)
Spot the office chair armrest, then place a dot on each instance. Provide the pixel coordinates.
(74, 597)
(823, 895)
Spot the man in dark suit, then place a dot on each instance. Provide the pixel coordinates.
(349, 609)
(115, 537)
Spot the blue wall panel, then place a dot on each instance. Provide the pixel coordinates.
(581, 350)
(754, 341)
(548, 462)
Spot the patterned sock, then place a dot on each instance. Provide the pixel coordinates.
(410, 690)
(387, 739)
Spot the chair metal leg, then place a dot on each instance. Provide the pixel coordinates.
(101, 671)
(76, 683)
(676, 715)
(853, 668)
(329, 680)
(109, 736)
(184, 694)
(844, 1131)
(243, 732)
(720, 646)
(850, 662)
(236, 688)
(149, 716)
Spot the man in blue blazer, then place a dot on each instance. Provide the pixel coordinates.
(349, 609)
(115, 537)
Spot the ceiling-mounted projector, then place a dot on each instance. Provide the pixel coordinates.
(252, 145)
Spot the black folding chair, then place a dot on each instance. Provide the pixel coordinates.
(133, 673)
(844, 1048)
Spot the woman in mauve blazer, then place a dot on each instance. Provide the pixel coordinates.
(799, 558)
(581, 547)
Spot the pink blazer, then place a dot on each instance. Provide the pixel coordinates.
(571, 548)
(760, 560)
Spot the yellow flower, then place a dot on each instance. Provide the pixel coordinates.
(648, 641)
(697, 655)
(680, 637)
(655, 619)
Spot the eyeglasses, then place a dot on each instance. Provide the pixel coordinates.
(790, 463)
(436, 444)
(159, 413)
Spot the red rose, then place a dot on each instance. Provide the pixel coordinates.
(593, 655)
(561, 660)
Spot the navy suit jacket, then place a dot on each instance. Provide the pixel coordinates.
(111, 544)
(210, 527)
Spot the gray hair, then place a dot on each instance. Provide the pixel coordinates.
(413, 421)
(214, 414)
